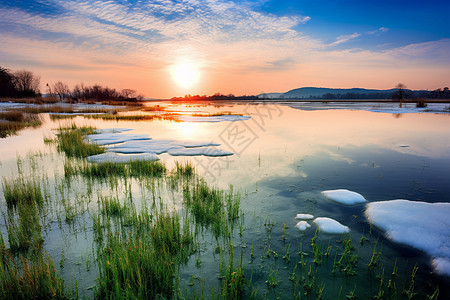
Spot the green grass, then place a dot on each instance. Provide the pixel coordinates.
(71, 142)
(103, 170)
(147, 168)
(143, 264)
(21, 190)
(36, 279)
(184, 169)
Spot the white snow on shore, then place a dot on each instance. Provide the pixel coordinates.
(425, 226)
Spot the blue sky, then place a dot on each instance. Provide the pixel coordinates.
(242, 46)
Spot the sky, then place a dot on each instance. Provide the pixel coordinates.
(166, 48)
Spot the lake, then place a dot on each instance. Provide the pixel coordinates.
(278, 157)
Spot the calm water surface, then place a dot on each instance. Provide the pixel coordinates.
(283, 158)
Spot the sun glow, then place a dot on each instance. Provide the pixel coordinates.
(185, 74)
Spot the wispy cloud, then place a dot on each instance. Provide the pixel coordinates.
(379, 30)
(345, 38)
(227, 39)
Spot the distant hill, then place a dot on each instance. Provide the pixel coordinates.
(330, 93)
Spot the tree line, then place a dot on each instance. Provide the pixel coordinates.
(216, 96)
(26, 84)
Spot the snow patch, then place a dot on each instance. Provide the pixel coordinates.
(344, 196)
(425, 226)
(145, 146)
(116, 158)
(304, 217)
(329, 225)
(108, 138)
(199, 151)
(302, 225)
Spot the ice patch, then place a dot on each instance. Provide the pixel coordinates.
(425, 226)
(116, 158)
(302, 225)
(223, 118)
(112, 130)
(344, 196)
(304, 217)
(329, 225)
(148, 146)
(199, 151)
(116, 142)
(441, 265)
(163, 146)
(108, 138)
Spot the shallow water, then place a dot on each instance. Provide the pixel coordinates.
(284, 157)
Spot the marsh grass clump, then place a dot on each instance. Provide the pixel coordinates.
(184, 169)
(111, 206)
(23, 227)
(143, 265)
(421, 103)
(348, 260)
(103, 170)
(71, 142)
(11, 122)
(208, 206)
(21, 190)
(147, 168)
(234, 282)
(35, 279)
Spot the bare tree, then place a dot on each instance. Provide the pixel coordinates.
(26, 83)
(400, 93)
(61, 90)
(128, 93)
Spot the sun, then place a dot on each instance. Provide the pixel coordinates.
(185, 74)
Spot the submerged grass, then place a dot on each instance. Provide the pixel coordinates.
(21, 190)
(143, 265)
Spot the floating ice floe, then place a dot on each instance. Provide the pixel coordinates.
(344, 196)
(302, 225)
(329, 225)
(112, 130)
(232, 118)
(117, 142)
(108, 138)
(425, 226)
(304, 217)
(199, 151)
(148, 146)
(117, 158)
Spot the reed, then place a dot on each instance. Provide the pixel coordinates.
(104, 170)
(12, 122)
(184, 169)
(36, 279)
(71, 142)
(21, 190)
(147, 168)
(143, 265)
